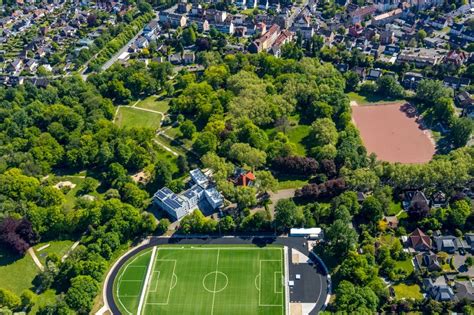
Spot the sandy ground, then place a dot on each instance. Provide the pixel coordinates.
(393, 133)
(65, 184)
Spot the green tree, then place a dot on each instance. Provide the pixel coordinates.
(352, 81)
(163, 226)
(372, 209)
(387, 85)
(421, 35)
(286, 215)
(245, 197)
(188, 129)
(461, 131)
(324, 132)
(80, 296)
(189, 36)
(429, 91)
(9, 299)
(216, 75)
(458, 213)
(340, 237)
(28, 299)
(205, 142)
(227, 224)
(265, 181)
(351, 298)
(246, 155)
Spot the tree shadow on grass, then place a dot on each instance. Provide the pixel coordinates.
(7, 257)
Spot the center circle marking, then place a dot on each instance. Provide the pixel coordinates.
(213, 284)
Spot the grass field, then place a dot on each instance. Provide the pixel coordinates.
(16, 273)
(403, 291)
(370, 100)
(203, 280)
(55, 247)
(136, 118)
(154, 103)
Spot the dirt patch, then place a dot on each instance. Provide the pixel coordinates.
(394, 132)
(65, 184)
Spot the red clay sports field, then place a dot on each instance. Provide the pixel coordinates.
(393, 133)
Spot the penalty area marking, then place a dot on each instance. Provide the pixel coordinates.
(120, 280)
(260, 282)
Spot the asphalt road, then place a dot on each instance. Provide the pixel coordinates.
(311, 289)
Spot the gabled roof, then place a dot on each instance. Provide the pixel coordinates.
(420, 240)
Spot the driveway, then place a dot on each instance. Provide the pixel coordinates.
(458, 262)
(274, 197)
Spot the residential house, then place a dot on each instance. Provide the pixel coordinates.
(421, 57)
(285, 37)
(265, 42)
(387, 17)
(189, 57)
(457, 57)
(439, 23)
(448, 244)
(411, 79)
(464, 99)
(391, 50)
(359, 15)
(428, 261)
(438, 289)
(470, 241)
(31, 65)
(184, 7)
(387, 37)
(243, 178)
(456, 29)
(455, 82)
(374, 74)
(413, 198)
(361, 72)
(439, 199)
(419, 241)
(173, 19)
(15, 66)
(142, 42)
(356, 30)
(464, 290)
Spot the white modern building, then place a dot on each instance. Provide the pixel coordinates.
(179, 205)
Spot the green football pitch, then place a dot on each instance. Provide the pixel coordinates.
(203, 280)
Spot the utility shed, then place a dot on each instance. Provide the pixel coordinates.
(313, 233)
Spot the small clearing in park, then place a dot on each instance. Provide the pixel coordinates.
(394, 133)
(207, 279)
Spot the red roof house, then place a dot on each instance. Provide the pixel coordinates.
(419, 240)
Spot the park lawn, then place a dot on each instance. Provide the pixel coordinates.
(16, 272)
(167, 143)
(48, 297)
(404, 291)
(287, 181)
(406, 265)
(394, 209)
(175, 133)
(297, 134)
(369, 100)
(154, 102)
(71, 194)
(55, 247)
(128, 117)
